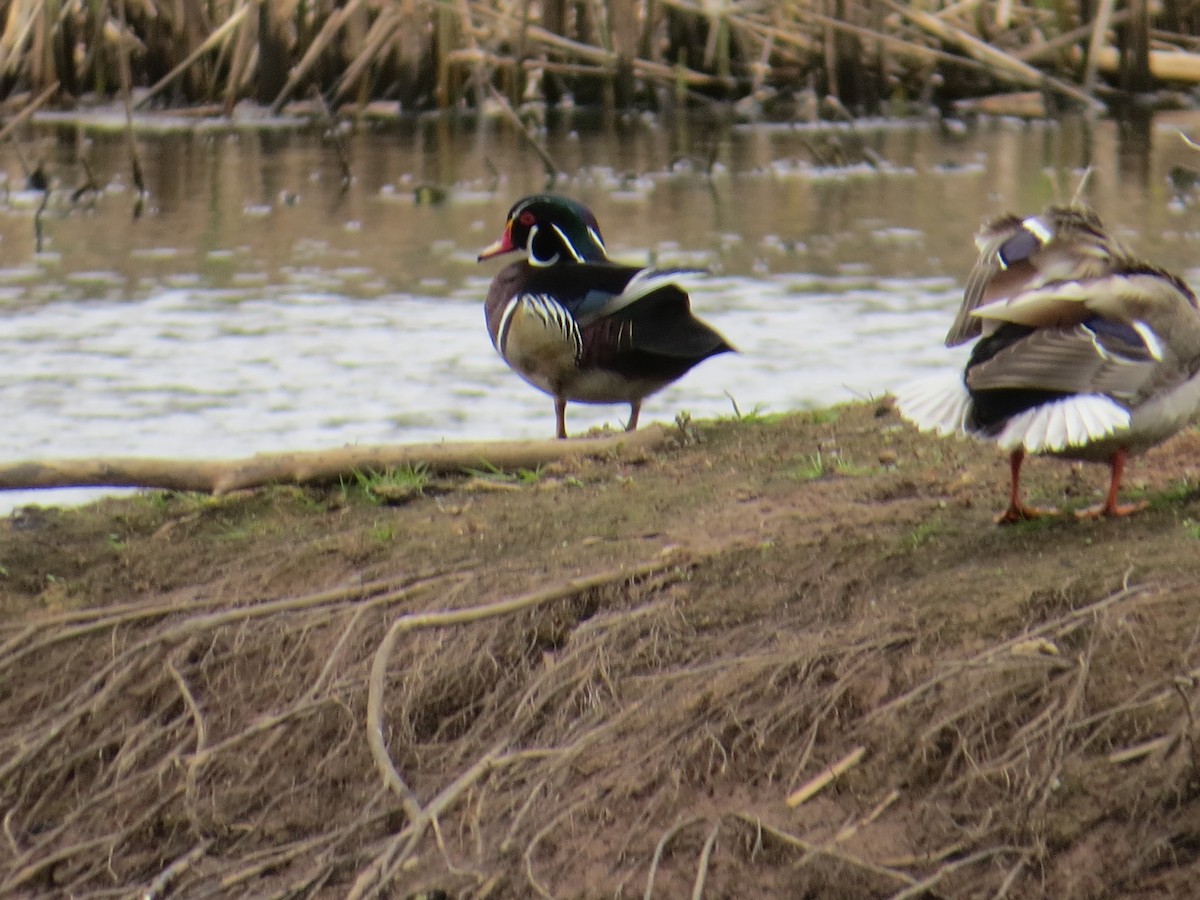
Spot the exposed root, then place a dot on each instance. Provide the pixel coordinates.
(491, 741)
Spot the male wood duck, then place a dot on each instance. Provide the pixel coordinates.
(580, 327)
(1084, 351)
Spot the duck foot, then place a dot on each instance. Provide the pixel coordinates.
(1111, 510)
(1019, 512)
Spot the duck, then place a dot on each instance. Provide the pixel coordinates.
(581, 327)
(1082, 351)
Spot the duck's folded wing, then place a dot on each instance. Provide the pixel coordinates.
(609, 297)
(987, 267)
(1118, 296)
(1094, 357)
(1018, 256)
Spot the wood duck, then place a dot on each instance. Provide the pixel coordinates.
(1083, 351)
(581, 327)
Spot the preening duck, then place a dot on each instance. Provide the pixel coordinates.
(1082, 351)
(581, 327)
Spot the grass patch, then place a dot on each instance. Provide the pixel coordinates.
(382, 532)
(757, 415)
(396, 485)
(825, 416)
(924, 532)
(493, 473)
(818, 465)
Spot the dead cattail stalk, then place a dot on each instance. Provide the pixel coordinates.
(1100, 25)
(131, 148)
(320, 44)
(213, 40)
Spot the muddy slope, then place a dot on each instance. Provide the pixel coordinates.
(611, 676)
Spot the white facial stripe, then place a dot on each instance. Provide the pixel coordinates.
(1035, 226)
(566, 240)
(533, 258)
(596, 238)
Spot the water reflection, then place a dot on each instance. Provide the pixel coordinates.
(261, 304)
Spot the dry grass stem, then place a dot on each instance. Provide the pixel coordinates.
(826, 777)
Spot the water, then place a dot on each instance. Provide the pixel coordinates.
(257, 304)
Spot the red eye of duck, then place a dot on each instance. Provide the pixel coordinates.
(526, 218)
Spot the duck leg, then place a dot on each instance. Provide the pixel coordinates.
(1111, 507)
(560, 417)
(635, 408)
(1018, 511)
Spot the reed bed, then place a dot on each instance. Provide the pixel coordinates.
(872, 55)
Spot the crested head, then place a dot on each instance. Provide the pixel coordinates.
(550, 229)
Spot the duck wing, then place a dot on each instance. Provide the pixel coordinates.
(595, 291)
(623, 309)
(1017, 256)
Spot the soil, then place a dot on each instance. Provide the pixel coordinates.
(212, 697)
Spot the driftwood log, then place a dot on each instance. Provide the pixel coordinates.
(222, 476)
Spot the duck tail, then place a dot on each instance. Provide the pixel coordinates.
(938, 403)
(1073, 421)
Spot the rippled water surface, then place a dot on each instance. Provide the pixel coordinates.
(258, 304)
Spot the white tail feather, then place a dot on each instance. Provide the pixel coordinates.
(1069, 422)
(937, 403)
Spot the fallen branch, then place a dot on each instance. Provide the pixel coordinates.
(319, 466)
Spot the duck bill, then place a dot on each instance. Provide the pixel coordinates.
(503, 245)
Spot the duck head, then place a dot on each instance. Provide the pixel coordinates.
(550, 229)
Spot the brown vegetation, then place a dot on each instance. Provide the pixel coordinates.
(866, 54)
(782, 658)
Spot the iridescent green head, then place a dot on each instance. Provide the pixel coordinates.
(550, 229)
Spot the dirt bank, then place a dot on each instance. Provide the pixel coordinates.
(190, 688)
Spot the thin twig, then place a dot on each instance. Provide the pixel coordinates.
(660, 847)
(30, 108)
(162, 882)
(553, 170)
(702, 865)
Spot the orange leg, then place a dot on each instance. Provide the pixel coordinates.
(1018, 511)
(560, 416)
(635, 409)
(1111, 507)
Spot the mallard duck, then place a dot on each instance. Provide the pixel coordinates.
(1082, 351)
(581, 327)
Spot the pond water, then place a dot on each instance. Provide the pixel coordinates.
(259, 303)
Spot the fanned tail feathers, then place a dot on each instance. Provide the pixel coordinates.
(941, 404)
(937, 403)
(1070, 422)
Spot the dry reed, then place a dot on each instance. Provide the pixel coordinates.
(442, 53)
